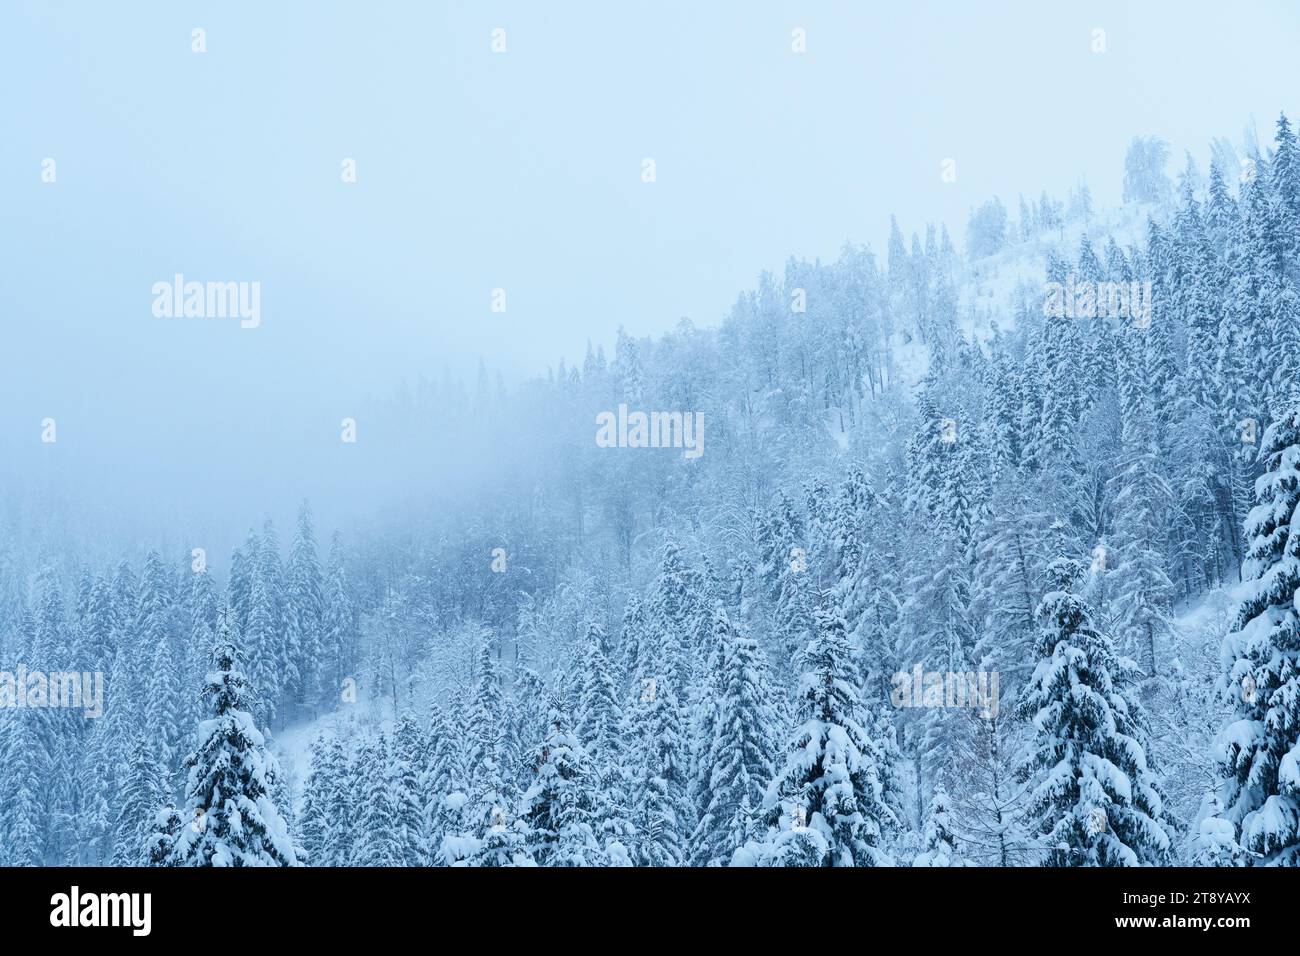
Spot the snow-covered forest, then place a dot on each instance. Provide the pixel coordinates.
(986, 560)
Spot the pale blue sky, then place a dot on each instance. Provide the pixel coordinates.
(519, 170)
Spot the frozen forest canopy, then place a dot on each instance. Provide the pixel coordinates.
(986, 560)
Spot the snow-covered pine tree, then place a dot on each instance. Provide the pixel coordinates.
(230, 817)
(339, 804)
(379, 830)
(559, 808)
(673, 612)
(525, 723)
(314, 819)
(1259, 751)
(243, 568)
(279, 668)
(826, 806)
(1096, 798)
(152, 615)
(409, 753)
(600, 719)
(736, 764)
(203, 604)
(165, 709)
(159, 849)
(929, 460)
(23, 814)
(444, 775)
(144, 796)
(939, 839)
(339, 625)
(658, 764)
(1141, 589)
(101, 628)
(261, 643)
(493, 834)
(793, 621)
(306, 613)
(633, 634)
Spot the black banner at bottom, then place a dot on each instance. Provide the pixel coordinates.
(338, 905)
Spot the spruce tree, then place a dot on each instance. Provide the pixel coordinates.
(230, 817)
(1141, 587)
(1259, 751)
(409, 753)
(736, 763)
(939, 838)
(306, 612)
(443, 777)
(1096, 799)
(658, 777)
(22, 812)
(159, 850)
(600, 719)
(314, 821)
(338, 629)
(827, 805)
(379, 832)
(144, 796)
(559, 808)
(493, 835)
(261, 642)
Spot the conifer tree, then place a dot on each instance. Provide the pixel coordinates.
(559, 808)
(151, 617)
(939, 838)
(275, 671)
(167, 825)
(659, 764)
(736, 766)
(232, 820)
(338, 803)
(410, 750)
(827, 805)
(1096, 798)
(1258, 752)
(144, 796)
(659, 806)
(23, 818)
(379, 830)
(443, 776)
(306, 611)
(164, 709)
(339, 625)
(1142, 589)
(101, 629)
(493, 833)
(262, 642)
(600, 720)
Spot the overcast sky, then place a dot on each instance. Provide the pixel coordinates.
(519, 170)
